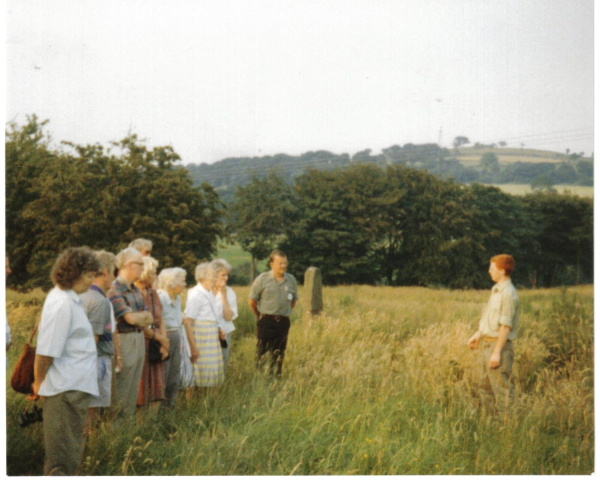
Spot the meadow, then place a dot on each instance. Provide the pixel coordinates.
(522, 189)
(381, 383)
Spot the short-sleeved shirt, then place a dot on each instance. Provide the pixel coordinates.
(126, 299)
(98, 310)
(502, 309)
(274, 297)
(201, 304)
(226, 326)
(171, 310)
(65, 334)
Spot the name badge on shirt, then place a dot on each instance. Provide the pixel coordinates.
(290, 296)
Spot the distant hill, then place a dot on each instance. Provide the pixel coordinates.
(511, 166)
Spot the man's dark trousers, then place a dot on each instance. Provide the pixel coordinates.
(272, 334)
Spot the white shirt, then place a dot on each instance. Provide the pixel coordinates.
(171, 310)
(201, 304)
(65, 334)
(226, 326)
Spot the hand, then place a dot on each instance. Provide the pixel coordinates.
(474, 341)
(35, 387)
(495, 360)
(222, 335)
(118, 363)
(195, 354)
(164, 352)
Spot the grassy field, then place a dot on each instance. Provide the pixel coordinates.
(382, 383)
(522, 189)
(512, 154)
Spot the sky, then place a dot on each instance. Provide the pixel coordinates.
(232, 78)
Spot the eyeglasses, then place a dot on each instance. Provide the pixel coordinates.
(137, 262)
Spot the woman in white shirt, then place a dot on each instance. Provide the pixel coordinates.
(200, 320)
(227, 310)
(65, 358)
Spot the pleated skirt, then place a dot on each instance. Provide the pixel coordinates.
(209, 369)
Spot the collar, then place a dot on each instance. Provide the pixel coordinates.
(121, 285)
(272, 276)
(74, 296)
(98, 289)
(167, 297)
(499, 287)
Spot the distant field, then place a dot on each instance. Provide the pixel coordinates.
(473, 160)
(522, 189)
(236, 256)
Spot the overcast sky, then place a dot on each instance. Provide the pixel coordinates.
(224, 78)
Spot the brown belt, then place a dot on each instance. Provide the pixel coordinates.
(489, 338)
(274, 317)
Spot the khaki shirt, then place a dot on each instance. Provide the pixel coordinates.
(274, 297)
(502, 309)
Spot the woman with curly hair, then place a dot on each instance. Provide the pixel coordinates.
(65, 358)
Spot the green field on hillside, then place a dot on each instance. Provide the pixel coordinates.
(522, 189)
(381, 383)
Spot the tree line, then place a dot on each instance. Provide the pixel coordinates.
(359, 221)
(227, 174)
(403, 227)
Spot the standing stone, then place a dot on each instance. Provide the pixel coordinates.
(313, 287)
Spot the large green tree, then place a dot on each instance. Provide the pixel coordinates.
(259, 213)
(84, 195)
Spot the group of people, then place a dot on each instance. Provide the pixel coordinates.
(112, 314)
(105, 307)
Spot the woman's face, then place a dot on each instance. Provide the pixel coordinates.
(210, 281)
(83, 283)
(150, 276)
(222, 278)
(179, 287)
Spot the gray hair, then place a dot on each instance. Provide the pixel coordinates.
(149, 264)
(141, 243)
(220, 265)
(203, 270)
(171, 277)
(125, 257)
(106, 260)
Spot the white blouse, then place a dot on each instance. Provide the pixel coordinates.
(65, 334)
(226, 326)
(201, 304)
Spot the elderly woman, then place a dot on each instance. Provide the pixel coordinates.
(65, 362)
(152, 385)
(144, 246)
(226, 304)
(203, 332)
(171, 282)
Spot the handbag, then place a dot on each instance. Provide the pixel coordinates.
(154, 354)
(23, 374)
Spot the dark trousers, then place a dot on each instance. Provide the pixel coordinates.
(272, 335)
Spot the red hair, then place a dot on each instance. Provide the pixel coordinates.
(505, 262)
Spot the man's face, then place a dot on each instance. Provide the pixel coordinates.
(109, 277)
(135, 267)
(495, 273)
(279, 265)
(146, 251)
(83, 283)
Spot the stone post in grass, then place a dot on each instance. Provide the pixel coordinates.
(313, 288)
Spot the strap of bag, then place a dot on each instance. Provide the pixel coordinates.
(35, 329)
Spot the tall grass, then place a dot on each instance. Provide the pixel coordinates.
(382, 383)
